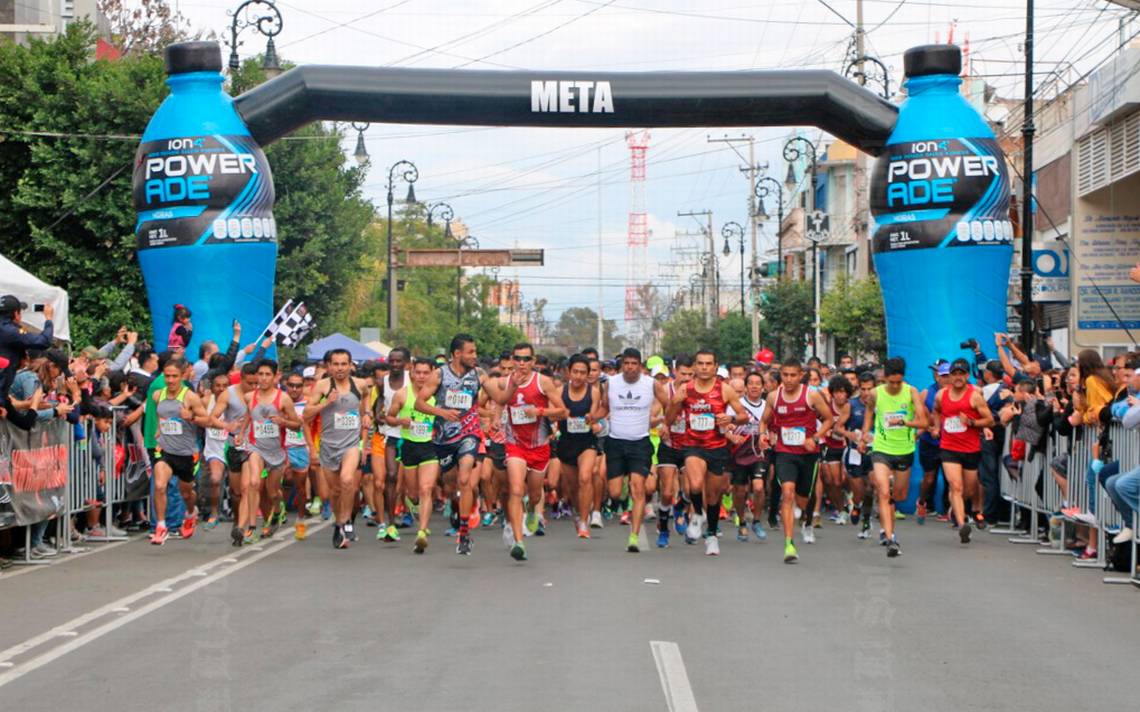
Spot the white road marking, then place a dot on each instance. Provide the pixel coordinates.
(674, 679)
(55, 561)
(68, 628)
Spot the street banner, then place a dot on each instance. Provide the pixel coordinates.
(33, 472)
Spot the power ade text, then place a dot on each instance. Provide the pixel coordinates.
(170, 179)
(923, 181)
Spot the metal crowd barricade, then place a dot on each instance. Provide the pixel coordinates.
(92, 459)
(1056, 445)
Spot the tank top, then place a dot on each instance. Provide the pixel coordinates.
(420, 429)
(520, 428)
(296, 438)
(858, 412)
(630, 406)
(701, 410)
(749, 451)
(956, 435)
(677, 430)
(459, 393)
(393, 431)
(833, 439)
(794, 422)
(576, 429)
(931, 394)
(340, 424)
(215, 435)
(267, 437)
(892, 436)
(175, 435)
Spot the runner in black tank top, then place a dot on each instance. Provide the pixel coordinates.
(577, 444)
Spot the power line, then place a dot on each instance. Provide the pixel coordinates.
(540, 35)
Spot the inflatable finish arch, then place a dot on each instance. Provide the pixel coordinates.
(204, 192)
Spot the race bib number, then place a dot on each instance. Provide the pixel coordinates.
(678, 426)
(420, 429)
(895, 421)
(266, 429)
(170, 426)
(577, 425)
(793, 437)
(216, 434)
(954, 425)
(854, 457)
(294, 438)
(346, 421)
(457, 399)
(519, 415)
(702, 422)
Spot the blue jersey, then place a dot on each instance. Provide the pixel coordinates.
(858, 411)
(925, 436)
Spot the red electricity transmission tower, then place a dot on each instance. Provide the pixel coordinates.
(637, 242)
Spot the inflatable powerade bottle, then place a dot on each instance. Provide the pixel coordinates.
(942, 237)
(204, 195)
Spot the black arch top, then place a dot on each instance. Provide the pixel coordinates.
(568, 99)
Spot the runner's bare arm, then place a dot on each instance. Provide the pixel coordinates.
(320, 399)
(603, 402)
(219, 408)
(675, 402)
(842, 413)
(557, 410)
(289, 417)
(425, 393)
(392, 416)
(732, 398)
(823, 410)
(920, 419)
(868, 421)
(596, 406)
(495, 389)
(198, 413)
(936, 416)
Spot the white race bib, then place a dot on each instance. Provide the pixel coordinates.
(170, 426)
(854, 457)
(793, 437)
(266, 429)
(457, 399)
(519, 415)
(216, 434)
(702, 422)
(294, 438)
(577, 425)
(346, 421)
(678, 426)
(954, 425)
(894, 421)
(420, 429)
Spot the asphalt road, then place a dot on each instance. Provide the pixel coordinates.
(198, 625)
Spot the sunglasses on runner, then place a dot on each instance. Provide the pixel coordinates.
(524, 359)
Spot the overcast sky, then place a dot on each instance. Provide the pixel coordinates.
(537, 187)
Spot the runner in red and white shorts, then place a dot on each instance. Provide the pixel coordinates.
(529, 398)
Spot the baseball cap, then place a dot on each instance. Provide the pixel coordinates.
(659, 370)
(994, 366)
(938, 364)
(722, 372)
(764, 356)
(9, 304)
(943, 369)
(960, 364)
(309, 372)
(90, 352)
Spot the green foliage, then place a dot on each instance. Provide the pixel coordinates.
(577, 328)
(786, 307)
(734, 338)
(730, 337)
(853, 313)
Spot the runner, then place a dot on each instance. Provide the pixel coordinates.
(748, 460)
(671, 458)
(960, 413)
(396, 483)
(415, 448)
(298, 444)
(929, 450)
(703, 402)
(455, 387)
(270, 413)
(214, 451)
(792, 411)
(577, 444)
(895, 411)
(337, 401)
(857, 464)
(529, 398)
(834, 478)
(627, 401)
(229, 415)
(597, 378)
(180, 411)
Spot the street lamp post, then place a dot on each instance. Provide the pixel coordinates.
(263, 16)
(735, 229)
(768, 186)
(448, 214)
(793, 153)
(361, 152)
(410, 174)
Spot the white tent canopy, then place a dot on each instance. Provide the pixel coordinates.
(27, 288)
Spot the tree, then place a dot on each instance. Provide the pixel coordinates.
(577, 328)
(685, 332)
(786, 306)
(146, 27)
(734, 338)
(853, 313)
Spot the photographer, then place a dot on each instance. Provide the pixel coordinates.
(15, 343)
(979, 357)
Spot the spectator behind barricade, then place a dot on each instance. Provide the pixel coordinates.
(1097, 386)
(124, 341)
(181, 331)
(993, 443)
(147, 363)
(15, 343)
(1029, 417)
(1065, 420)
(1024, 366)
(979, 358)
(1124, 488)
(207, 352)
(1093, 402)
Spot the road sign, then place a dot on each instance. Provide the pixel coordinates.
(818, 226)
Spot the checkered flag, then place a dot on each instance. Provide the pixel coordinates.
(295, 327)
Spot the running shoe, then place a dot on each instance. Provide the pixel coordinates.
(1087, 554)
(251, 536)
(893, 549)
(583, 530)
(596, 520)
(632, 546)
(625, 518)
(790, 555)
(339, 540)
(407, 522)
(531, 522)
(236, 536)
(315, 506)
(863, 534)
(943, 517)
(392, 533)
(693, 531)
(541, 530)
(808, 533)
(920, 514)
(300, 531)
(980, 522)
(842, 519)
(758, 530)
(680, 523)
(488, 519)
(326, 511)
(964, 533)
(899, 516)
(160, 535)
(882, 538)
(518, 552)
(211, 522)
(421, 542)
(464, 546)
(508, 535)
(742, 533)
(450, 532)
(663, 539)
(712, 546)
(855, 516)
(350, 531)
(188, 525)
(368, 514)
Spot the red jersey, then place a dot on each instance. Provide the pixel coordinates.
(700, 412)
(794, 422)
(956, 435)
(834, 440)
(527, 430)
(676, 437)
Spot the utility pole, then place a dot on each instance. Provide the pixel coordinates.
(862, 206)
(710, 274)
(753, 171)
(601, 318)
(1027, 131)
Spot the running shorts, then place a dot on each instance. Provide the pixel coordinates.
(716, 459)
(669, 456)
(413, 454)
(627, 457)
(332, 459)
(929, 456)
(744, 474)
(449, 454)
(235, 457)
(862, 468)
(968, 460)
(895, 463)
(498, 454)
(797, 468)
(214, 450)
(378, 444)
(182, 466)
(832, 454)
(568, 449)
(536, 458)
(299, 458)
